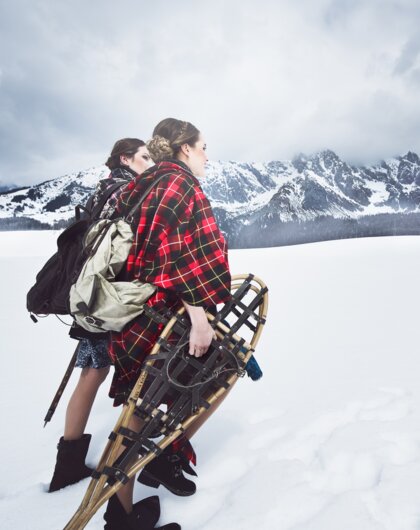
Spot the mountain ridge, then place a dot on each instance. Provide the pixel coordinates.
(255, 193)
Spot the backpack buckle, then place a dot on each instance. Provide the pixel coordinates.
(97, 322)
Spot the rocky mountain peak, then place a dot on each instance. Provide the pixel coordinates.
(411, 157)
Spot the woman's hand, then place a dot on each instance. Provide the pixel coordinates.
(200, 339)
(201, 333)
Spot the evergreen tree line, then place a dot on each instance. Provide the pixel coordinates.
(277, 233)
(325, 228)
(27, 223)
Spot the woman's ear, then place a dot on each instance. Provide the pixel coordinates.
(124, 160)
(185, 148)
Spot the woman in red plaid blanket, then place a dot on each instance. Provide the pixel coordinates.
(180, 249)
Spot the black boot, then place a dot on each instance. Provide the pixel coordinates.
(70, 466)
(144, 516)
(166, 469)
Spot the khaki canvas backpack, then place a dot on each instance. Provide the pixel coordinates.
(98, 303)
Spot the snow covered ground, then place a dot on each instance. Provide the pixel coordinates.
(329, 439)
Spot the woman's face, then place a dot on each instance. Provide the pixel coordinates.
(197, 157)
(139, 162)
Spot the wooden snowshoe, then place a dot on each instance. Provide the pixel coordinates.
(174, 389)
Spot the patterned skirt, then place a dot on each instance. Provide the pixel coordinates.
(93, 353)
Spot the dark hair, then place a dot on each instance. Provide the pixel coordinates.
(168, 137)
(125, 146)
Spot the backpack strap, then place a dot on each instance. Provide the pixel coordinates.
(87, 208)
(129, 216)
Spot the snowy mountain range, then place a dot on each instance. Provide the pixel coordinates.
(261, 199)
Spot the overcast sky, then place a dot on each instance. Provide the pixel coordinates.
(262, 79)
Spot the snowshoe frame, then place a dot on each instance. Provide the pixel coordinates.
(190, 386)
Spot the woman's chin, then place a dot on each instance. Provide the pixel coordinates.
(200, 173)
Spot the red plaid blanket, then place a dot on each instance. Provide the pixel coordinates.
(179, 248)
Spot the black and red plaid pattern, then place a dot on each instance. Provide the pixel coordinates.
(179, 248)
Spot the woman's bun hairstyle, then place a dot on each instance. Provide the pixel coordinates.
(125, 146)
(168, 137)
(160, 148)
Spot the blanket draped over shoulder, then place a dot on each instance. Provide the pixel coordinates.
(179, 248)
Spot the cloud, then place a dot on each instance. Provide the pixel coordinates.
(261, 80)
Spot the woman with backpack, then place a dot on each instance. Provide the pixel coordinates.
(179, 249)
(128, 159)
